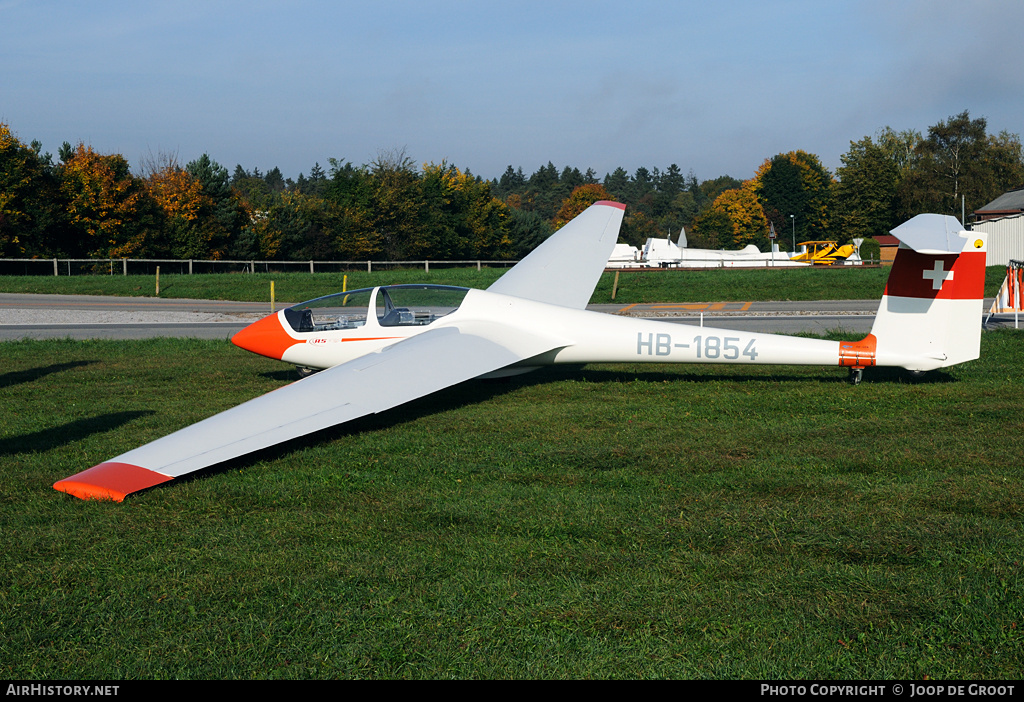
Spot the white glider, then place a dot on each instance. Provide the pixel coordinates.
(381, 347)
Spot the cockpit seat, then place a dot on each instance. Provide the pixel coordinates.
(399, 316)
(301, 320)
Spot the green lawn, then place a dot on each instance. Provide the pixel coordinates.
(845, 283)
(606, 521)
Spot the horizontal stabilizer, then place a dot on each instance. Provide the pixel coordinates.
(932, 234)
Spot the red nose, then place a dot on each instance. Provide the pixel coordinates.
(266, 337)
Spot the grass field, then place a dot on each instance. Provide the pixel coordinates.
(844, 283)
(605, 521)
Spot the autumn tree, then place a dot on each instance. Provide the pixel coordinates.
(735, 220)
(582, 197)
(461, 219)
(108, 210)
(707, 191)
(181, 199)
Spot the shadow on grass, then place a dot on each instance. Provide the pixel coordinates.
(27, 376)
(709, 374)
(472, 392)
(286, 375)
(899, 375)
(39, 441)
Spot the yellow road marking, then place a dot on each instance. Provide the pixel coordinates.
(702, 307)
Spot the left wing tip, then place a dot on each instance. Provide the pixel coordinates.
(611, 203)
(110, 481)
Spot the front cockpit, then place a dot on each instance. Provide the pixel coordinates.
(388, 306)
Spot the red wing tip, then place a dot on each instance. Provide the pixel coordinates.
(610, 203)
(110, 481)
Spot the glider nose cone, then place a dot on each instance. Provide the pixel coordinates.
(266, 337)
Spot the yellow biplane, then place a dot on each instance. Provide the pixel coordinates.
(823, 253)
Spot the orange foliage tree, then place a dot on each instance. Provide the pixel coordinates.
(177, 192)
(182, 201)
(582, 197)
(108, 209)
(740, 212)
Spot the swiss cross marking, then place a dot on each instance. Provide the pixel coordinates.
(937, 276)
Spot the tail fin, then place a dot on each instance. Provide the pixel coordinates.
(930, 315)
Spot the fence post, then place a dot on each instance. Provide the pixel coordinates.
(478, 266)
(55, 268)
(368, 267)
(426, 266)
(124, 266)
(190, 266)
(311, 266)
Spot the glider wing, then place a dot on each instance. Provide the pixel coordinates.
(396, 374)
(564, 270)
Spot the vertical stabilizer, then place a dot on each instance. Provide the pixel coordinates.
(930, 314)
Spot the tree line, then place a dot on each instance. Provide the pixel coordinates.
(88, 204)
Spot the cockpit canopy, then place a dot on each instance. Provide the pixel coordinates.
(390, 306)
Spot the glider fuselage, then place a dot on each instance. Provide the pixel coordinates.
(576, 336)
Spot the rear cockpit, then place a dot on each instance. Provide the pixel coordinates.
(388, 306)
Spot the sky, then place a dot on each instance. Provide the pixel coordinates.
(713, 87)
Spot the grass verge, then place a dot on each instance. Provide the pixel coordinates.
(606, 521)
(844, 283)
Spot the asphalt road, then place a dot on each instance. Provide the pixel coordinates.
(95, 317)
(98, 317)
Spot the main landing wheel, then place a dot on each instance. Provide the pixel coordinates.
(856, 374)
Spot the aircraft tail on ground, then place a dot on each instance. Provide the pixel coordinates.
(930, 314)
